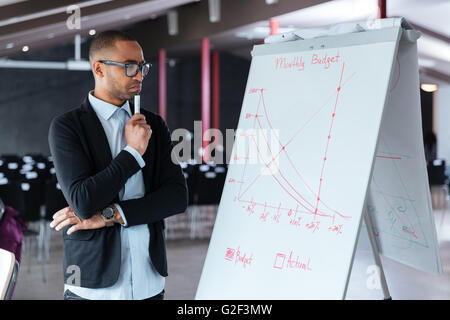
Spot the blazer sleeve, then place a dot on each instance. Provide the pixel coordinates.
(86, 193)
(169, 198)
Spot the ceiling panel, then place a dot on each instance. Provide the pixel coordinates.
(431, 18)
(8, 2)
(44, 30)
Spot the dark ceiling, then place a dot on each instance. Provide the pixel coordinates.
(243, 23)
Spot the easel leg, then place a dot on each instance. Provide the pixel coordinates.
(376, 256)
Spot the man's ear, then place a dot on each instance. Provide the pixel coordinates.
(97, 69)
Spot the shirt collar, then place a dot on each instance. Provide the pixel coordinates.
(105, 109)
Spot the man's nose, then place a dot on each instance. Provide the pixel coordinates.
(139, 76)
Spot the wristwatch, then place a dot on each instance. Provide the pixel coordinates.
(108, 215)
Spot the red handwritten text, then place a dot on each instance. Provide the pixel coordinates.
(291, 262)
(326, 61)
(236, 255)
(294, 63)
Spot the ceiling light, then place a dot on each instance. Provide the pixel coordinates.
(260, 32)
(429, 87)
(214, 10)
(25, 48)
(172, 22)
(10, 45)
(92, 32)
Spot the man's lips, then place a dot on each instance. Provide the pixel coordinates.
(138, 86)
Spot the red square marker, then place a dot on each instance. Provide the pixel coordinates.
(279, 261)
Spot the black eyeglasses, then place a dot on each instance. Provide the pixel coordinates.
(131, 69)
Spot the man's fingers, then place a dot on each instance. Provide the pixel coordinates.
(141, 121)
(66, 223)
(61, 212)
(61, 217)
(137, 116)
(72, 229)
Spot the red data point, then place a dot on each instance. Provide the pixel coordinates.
(333, 114)
(339, 89)
(324, 159)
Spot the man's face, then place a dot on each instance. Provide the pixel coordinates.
(115, 81)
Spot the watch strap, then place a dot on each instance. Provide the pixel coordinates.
(109, 222)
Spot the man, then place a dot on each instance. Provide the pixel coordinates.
(115, 170)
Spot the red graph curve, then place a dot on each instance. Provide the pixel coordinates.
(308, 206)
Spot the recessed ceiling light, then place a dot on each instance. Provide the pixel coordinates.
(92, 32)
(10, 45)
(260, 32)
(25, 48)
(429, 87)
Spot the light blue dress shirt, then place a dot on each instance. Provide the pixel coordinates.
(138, 278)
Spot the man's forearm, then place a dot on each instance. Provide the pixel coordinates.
(96, 192)
(85, 193)
(168, 200)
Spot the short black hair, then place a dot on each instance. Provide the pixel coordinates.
(107, 39)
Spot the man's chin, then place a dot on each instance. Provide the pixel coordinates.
(130, 95)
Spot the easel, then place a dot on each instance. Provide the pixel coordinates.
(409, 36)
(395, 41)
(376, 256)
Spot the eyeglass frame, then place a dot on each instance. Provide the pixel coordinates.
(125, 65)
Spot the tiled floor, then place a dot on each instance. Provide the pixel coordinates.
(186, 257)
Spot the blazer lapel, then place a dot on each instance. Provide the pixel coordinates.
(95, 136)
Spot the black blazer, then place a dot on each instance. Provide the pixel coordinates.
(91, 180)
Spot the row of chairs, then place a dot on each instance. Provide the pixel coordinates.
(205, 184)
(28, 184)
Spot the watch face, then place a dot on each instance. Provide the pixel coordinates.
(108, 213)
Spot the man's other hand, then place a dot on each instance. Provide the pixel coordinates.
(138, 133)
(66, 216)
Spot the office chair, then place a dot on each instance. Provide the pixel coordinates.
(9, 268)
